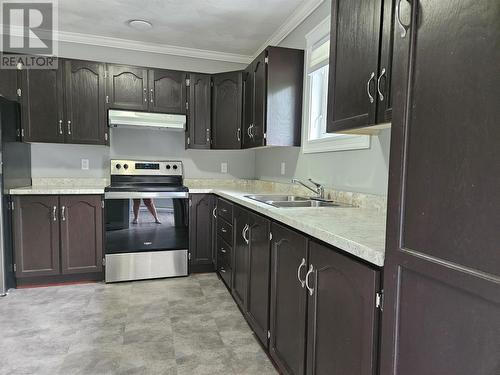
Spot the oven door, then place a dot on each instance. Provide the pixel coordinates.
(146, 235)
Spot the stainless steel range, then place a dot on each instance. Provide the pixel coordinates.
(146, 212)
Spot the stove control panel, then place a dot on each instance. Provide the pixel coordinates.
(146, 168)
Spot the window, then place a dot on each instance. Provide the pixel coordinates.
(315, 137)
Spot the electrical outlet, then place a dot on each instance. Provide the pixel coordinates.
(85, 164)
(283, 168)
(223, 167)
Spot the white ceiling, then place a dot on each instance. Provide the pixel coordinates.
(230, 26)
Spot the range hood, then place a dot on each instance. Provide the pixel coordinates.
(147, 119)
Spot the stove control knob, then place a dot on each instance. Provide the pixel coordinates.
(175, 166)
(125, 166)
(168, 166)
(118, 166)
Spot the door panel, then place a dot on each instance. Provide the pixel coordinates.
(342, 316)
(248, 100)
(226, 110)
(167, 91)
(240, 256)
(260, 101)
(288, 300)
(353, 69)
(199, 111)
(259, 260)
(442, 269)
(42, 105)
(200, 229)
(85, 120)
(8, 84)
(127, 87)
(81, 233)
(36, 235)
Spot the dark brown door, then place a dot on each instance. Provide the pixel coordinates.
(287, 344)
(354, 54)
(260, 100)
(200, 231)
(127, 87)
(248, 100)
(342, 314)
(84, 93)
(442, 269)
(167, 91)
(384, 76)
(226, 110)
(259, 263)
(199, 111)
(36, 235)
(81, 233)
(42, 105)
(240, 256)
(8, 83)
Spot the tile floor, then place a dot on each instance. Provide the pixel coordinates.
(183, 326)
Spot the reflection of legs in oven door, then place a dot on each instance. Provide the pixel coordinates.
(152, 209)
(137, 203)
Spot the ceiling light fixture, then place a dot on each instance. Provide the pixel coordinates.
(140, 25)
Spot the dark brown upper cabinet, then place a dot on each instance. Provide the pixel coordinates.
(359, 93)
(127, 87)
(226, 110)
(442, 267)
(167, 91)
(9, 84)
(200, 232)
(199, 105)
(272, 98)
(342, 317)
(64, 105)
(85, 120)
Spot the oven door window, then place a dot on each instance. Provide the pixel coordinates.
(134, 225)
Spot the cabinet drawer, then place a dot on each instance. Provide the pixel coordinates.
(225, 230)
(224, 261)
(225, 210)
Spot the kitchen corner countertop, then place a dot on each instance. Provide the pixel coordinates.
(357, 231)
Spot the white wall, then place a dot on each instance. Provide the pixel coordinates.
(363, 171)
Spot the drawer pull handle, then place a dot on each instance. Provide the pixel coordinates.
(222, 250)
(244, 233)
(302, 264)
(311, 270)
(214, 212)
(224, 230)
(222, 270)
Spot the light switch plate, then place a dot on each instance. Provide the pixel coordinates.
(85, 164)
(223, 167)
(283, 168)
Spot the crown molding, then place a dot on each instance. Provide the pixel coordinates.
(291, 23)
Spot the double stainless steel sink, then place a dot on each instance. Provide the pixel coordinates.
(293, 201)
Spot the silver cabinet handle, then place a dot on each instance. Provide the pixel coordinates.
(368, 87)
(222, 250)
(302, 264)
(380, 95)
(404, 28)
(252, 134)
(224, 210)
(214, 212)
(151, 96)
(145, 95)
(238, 134)
(311, 270)
(208, 135)
(63, 217)
(60, 127)
(54, 213)
(222, 270)
(69, 127)
(244, 232)
(224, 230)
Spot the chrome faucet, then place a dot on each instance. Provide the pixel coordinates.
(319, 189)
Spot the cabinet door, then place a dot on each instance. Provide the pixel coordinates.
(167, 91)
(384, 80)
(288, 300)
(36, 235)
(200, 231)
(226, 110)
(260, 100)
(342, 315)
(85, 119)
(442, 268)
(240, 256)
(259, 263)
(8, 84)
(127, 87)
(354, 53)
(199, 111)
(81, 233)
(248, 100)
(42, 105)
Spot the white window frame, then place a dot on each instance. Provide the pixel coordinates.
(337, 142)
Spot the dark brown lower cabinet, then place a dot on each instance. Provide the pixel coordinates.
(342, 314)
(56, 236)
(287, 344)
(240, 256)
(200, 232)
